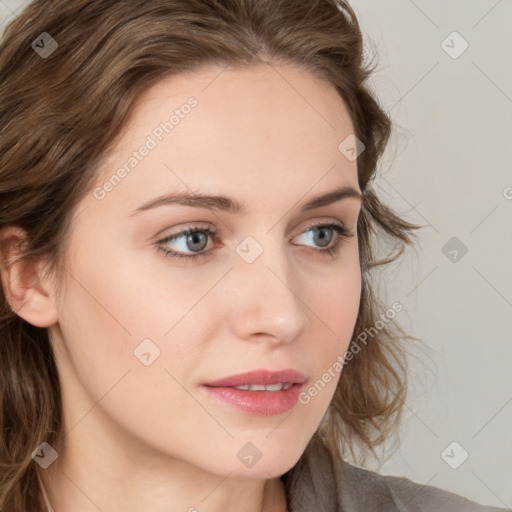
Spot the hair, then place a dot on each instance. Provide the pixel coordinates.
(59, 115)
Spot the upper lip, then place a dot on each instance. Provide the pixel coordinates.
(260, 377)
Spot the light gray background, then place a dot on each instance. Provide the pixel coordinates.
(448, 167)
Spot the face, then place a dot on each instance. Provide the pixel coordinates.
(141, 330)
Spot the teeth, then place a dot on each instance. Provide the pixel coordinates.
(269, 387)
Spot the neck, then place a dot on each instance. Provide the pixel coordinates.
(61, 493)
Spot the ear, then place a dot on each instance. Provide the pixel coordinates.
(27, 289)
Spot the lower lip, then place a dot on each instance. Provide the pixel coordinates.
(262, 403)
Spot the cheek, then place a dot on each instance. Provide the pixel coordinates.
(337, 303)
(103, 315)
(336, 306)
(112, 305)
(95, 331)
(101, 327)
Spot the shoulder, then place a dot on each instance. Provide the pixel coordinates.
(324, 483)
(398, 493)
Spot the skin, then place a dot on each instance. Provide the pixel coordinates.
(139, 437)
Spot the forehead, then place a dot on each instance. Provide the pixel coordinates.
(240, 95)
(264, 125)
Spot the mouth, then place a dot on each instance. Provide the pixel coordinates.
(260, 392)
(262, 387)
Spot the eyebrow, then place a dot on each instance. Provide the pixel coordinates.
(231, 205)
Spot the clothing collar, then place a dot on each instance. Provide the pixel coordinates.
(321, 483)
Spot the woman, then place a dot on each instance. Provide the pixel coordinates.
(140, 372)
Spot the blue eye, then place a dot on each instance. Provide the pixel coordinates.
(195, 239)
(194, 236)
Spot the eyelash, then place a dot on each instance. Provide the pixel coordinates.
(342, 232)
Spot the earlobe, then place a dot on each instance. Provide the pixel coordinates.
(26, 288)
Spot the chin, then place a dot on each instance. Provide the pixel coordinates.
(262, 457)
(251, 457)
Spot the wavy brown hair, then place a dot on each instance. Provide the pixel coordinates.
(59, 115)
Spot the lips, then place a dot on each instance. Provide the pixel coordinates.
(261, 377)
(258, 401)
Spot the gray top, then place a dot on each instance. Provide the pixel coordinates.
(317, 483)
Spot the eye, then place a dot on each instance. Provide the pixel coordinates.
(317, 234)
(195, 239)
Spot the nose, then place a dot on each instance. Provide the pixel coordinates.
(269, 300)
